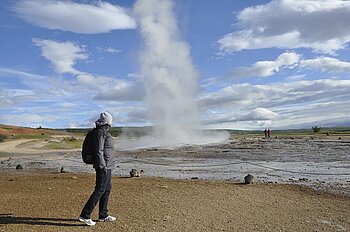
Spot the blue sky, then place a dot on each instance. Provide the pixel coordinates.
(276, 64)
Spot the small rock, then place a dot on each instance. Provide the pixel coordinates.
(304, 179)
(64, 170)
(166, 218)
(74, 177)
(194, 178)
(134, 173)
(249, 179)
(19, 166)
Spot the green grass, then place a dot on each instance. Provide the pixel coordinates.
(30, 136)
(65, 143)
(2, 138)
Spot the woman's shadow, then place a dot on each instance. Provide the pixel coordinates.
(6, 219)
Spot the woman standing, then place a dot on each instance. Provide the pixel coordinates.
(103, 165)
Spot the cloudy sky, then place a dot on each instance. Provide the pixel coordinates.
(276, 64)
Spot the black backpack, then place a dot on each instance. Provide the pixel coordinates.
(87, 152)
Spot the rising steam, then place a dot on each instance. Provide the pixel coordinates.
(169, 77)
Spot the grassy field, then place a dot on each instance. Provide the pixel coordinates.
(65, 143)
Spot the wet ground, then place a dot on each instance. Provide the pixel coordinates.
(321, 162)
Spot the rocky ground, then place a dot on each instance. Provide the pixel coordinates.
(321, 162)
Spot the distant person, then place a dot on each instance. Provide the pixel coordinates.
(103, 165)
(269, 133)
(265, 132)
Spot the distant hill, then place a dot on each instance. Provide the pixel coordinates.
(8, 130)
(17, 131)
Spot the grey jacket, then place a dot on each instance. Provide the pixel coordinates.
(104, 148)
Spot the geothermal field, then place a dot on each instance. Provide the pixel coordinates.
(319, 161)
(302, 183)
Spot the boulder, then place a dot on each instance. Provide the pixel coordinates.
(134, 173)
(64, 170)
(249, 179)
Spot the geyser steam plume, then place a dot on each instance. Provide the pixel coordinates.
(169, 77)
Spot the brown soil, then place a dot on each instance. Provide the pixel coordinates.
(52, 202)
(16, 130)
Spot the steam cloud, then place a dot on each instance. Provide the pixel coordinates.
(169, 77)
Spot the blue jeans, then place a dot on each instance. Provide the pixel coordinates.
(101, 194)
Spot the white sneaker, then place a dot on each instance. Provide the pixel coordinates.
(108, 219)
(88, 222)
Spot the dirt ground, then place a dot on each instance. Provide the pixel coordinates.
(52, 202)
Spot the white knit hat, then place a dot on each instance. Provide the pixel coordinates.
(105, 118)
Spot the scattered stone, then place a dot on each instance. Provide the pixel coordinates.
(2, 162)
(194, 178)
(74, 177)
(134, 173)
(249, 179)
(163, 186)
(339, 138)
(166, 218)
(304, 179)
(64, 170)
(19, 167)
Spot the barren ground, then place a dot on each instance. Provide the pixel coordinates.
(52, 202)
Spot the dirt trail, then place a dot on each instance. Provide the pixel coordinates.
(28, 147)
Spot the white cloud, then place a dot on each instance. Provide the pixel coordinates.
(326, 64)
(297, 77)
(62, 55)
(109, 50)
(26, 119)
(319, 25)
(74, 17)
(258, 114)
(12, 97)
(267, 68)
(282, 104)
(12, 72)
(111, 89)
